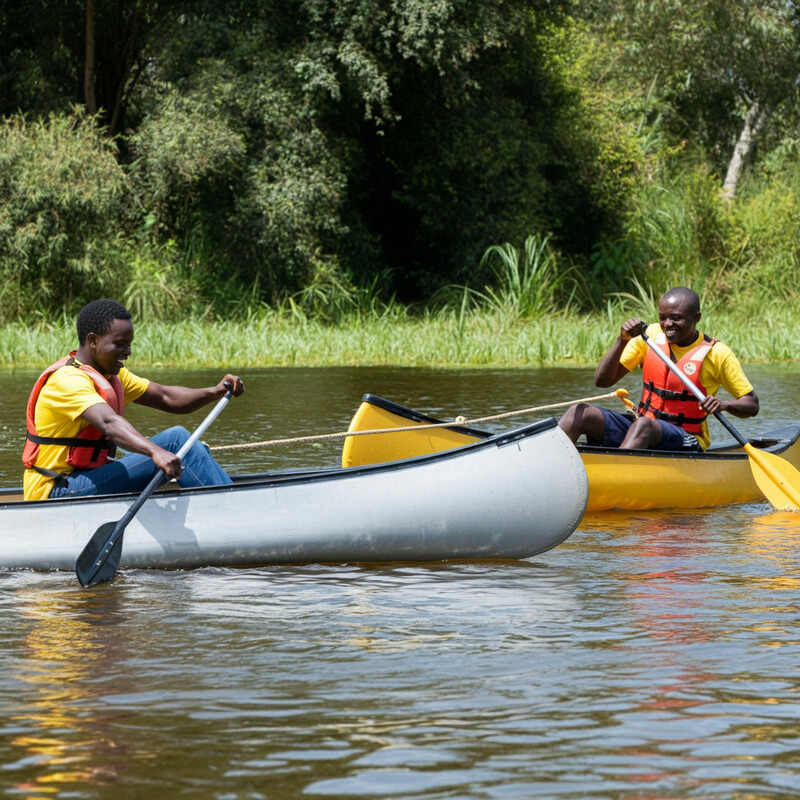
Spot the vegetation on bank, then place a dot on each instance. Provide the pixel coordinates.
(199, 160)
(443, 339)
(467, 168)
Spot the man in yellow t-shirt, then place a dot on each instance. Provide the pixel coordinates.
(678, 314)
(69, 402)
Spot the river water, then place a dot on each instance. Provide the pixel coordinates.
(651, 655)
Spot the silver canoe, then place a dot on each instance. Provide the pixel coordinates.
(508, 496)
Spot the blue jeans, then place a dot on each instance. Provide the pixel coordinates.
(133, 472)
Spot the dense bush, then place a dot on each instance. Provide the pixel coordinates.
(764, 246)
(63, 196)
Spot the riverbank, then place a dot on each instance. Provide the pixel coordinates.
(445, 339)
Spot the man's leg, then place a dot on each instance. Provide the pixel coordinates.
(644, 432)
(583, 419)
(199, 466)
(134, 471)
(128, 474)
(675, 438)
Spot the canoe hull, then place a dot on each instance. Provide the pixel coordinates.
(490, 500)
(630, 480)
(640, 480)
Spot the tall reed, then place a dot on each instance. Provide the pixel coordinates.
(527, 283)
(447, 338)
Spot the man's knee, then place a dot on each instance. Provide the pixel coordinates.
(646, 425)
(172, 439)
(568, 418)
(574, 412)
(644, 432)
(582, 418)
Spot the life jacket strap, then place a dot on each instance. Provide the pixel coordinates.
(676, 419)
(74, 441)
(668, 394)
(58, 478)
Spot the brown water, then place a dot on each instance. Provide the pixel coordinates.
(651, 655)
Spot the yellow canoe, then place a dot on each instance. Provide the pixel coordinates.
(624, 479)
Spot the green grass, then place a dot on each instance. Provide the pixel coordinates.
(444, 339)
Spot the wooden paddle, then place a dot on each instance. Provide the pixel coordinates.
(778, 480)
(99, 560)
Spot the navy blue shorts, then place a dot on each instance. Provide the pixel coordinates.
(673, 437)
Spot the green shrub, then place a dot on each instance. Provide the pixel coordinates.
(63, 194)
(679, 227)
(155, 287)
(764, 244)
(239, 163)
(180, 151)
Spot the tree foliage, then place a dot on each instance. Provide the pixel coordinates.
(714, 61)
(259, 150)
(404, 135)
(92, 52)
(64, 194)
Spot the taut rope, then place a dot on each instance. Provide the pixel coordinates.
(622, 394)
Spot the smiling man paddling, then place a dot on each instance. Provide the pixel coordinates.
(669, 417)
(75, 418)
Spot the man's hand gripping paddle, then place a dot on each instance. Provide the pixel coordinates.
(99, 560)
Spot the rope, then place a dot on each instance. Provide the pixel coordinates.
(622, 394)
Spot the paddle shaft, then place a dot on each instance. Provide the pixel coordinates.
(156, 481)
(160, 477)
(692, 388)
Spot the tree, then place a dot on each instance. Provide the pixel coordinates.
(282, 144)
(63, 192)
(91, 52)
(725, 65)
(408, 135)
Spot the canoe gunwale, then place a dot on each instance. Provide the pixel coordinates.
(269, 479)
(773, 442)
(416, 416)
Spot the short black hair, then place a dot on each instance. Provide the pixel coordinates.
(689, 296)
(98, 316)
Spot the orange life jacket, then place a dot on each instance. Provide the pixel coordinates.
(87, 450)
(664, 396)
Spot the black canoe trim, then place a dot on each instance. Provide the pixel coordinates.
(416, 416)
(268, 479)
(775, 442)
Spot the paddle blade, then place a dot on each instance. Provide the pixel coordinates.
(95, 565)
(777, 478)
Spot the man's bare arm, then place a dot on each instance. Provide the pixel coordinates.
(123, 434)
(183, 399)
(609, 370)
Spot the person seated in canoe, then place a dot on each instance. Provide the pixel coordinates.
(669, 416)
(75, 418)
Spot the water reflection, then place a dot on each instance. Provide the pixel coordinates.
(68, 658)
(785, 525)
(651, 655)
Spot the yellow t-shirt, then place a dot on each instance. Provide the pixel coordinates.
(67, 393)
(720, 368)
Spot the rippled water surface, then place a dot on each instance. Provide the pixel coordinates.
(651, 655)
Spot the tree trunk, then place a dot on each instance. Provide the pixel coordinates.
(125, 80)
(753, 123)
(89, 66)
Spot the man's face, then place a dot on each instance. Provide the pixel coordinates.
(678, 320)
(110, 349)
